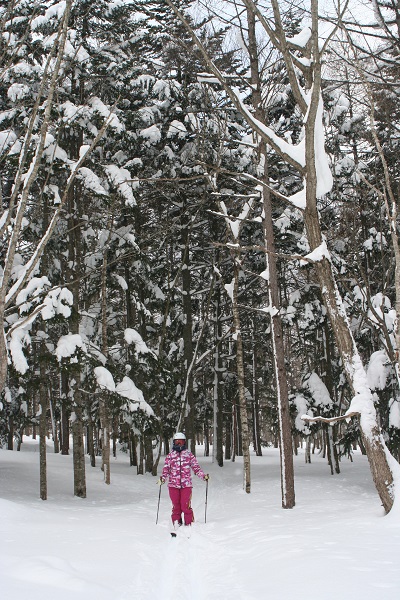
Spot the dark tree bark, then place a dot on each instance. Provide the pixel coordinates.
(43, 430)
(285, 426)
(74, 276)
(64, 415)
(256, 404)
(149, 460)
(187, 340)
(218, 387)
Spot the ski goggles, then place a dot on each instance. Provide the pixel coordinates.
(179, 442)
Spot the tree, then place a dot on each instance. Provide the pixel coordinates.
(310, 161)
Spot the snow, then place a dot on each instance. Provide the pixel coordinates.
(296, 153)
(104, 379)
(121, 179)
(298, 199)
(67, 345)
(334, 543)
(33, 288)
(133, 337)
(91, 181)
(57, 11)
(52, 150)
(17, 91)
(319, 391)
(57, 302)
(394, 413)
(127, 389)
(178, 129)
(301, 39)
(19, 338)
(378, 370)
(121, 281)
(7, 138)
(317, 254)
(152, 134)
(70, 111)
(324, 174)
(230, 287)
(99, 107)
(54, 189)
(302, 409)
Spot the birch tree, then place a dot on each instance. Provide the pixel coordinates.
(234, 226)
(36, 146)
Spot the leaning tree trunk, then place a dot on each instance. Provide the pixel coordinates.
(352, 364)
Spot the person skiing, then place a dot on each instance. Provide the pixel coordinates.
(177, 468)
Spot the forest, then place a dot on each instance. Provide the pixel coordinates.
(199, 231)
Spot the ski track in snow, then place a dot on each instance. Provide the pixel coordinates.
(334, 544)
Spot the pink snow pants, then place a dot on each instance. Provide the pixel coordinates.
(181, 498)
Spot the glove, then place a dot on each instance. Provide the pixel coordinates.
(206, 477)
(161, 481)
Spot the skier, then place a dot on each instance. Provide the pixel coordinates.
(177, 469)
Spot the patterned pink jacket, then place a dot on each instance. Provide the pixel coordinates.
(177, 468)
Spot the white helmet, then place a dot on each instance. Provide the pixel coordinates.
(179, 436)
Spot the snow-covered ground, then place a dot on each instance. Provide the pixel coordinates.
(335, 544)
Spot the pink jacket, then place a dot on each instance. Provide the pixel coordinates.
(177, 468)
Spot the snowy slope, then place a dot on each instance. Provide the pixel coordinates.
(334, 544)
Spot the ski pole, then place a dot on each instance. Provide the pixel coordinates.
(205, 508)
(158, 507)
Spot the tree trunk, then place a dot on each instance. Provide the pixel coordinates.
(43, 432)
(10, 435)
(21, 191)
(90, 439)
(105, 399)
(78, 451)
(34, 411)
(234, 433)
(54, 428)
(74, 278)
(285, 427)
(141, 456)
(362, 402)
(64, 416)
(228, 437)
(241, 386)
(256, 405)
(352, 364)
(187, 341)
(133, 459)
(218, 395)
(149, 460)
(207, 440)
(307, 454)
(105, 437)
